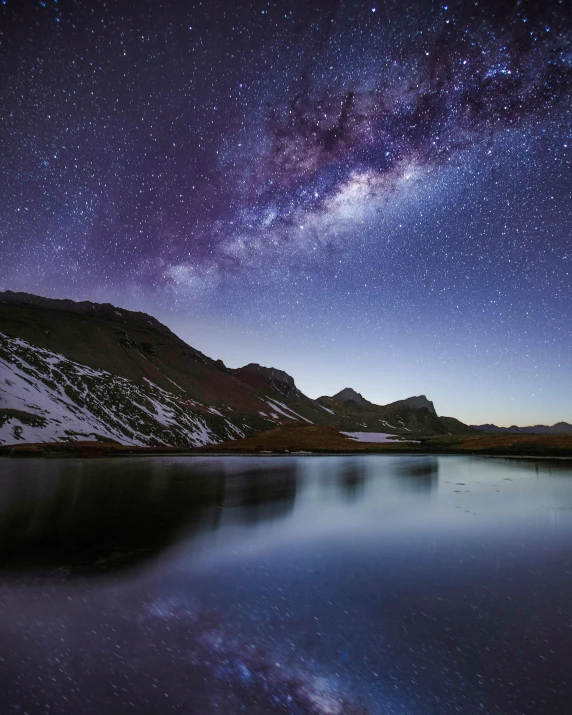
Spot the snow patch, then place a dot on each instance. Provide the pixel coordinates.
(379, 437)
(280, 407)
(235, 429)
(45, 397)
(174, 383)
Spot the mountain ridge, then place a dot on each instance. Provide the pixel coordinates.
(557, 428)
(348, 394)
(95, 371)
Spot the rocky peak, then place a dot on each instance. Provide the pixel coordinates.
(262, 377)
(417, 403)
(349, 394)
(269, 372)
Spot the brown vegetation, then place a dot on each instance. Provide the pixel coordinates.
(317, 439)
(83, 448)
(515, 442)
(306, 438)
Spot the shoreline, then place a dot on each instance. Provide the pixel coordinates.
(91, 450)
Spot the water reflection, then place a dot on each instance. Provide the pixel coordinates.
(417, 474)
(351, 479)
(261, 493)
(367, 585)
(96, 516)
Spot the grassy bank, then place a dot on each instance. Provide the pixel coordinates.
(315, 439)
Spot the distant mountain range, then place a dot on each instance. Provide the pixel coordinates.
(558, 428)
(84, 371)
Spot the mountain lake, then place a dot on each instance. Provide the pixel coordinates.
(320, 585)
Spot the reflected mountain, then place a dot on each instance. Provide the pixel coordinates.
(92, 517)
(261, 494)
(419, 474)
(352, 478)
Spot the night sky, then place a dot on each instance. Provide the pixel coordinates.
(374, 195)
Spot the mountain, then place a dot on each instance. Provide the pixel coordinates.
(558, 428)
(412, 415)
(350, 395)
(47, 397)
(417, 403)
(268, 379)
(124, 343)
(85, 371)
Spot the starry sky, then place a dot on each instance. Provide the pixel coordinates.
(375, 195)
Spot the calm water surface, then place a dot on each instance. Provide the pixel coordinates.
(304, 585)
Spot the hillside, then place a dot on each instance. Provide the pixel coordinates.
(91, 371)
(46, 397)
(83, 370)
(132, 345)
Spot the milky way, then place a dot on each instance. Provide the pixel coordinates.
(454, 87)
(339, 181)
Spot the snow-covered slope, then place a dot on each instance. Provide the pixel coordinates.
(46, 397)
